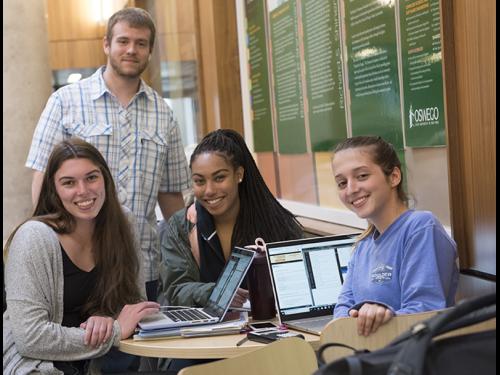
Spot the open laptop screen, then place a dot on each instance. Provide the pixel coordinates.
(308, 274)
(229, 281)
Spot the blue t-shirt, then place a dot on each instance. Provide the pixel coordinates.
(411, 267)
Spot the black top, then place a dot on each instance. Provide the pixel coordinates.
(77, 287)
(212, 260)
(211, 255)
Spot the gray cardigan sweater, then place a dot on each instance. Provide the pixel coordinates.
(33, 336)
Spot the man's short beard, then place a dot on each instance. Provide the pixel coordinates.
(119, 71)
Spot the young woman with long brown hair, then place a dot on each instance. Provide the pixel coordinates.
(72, 275)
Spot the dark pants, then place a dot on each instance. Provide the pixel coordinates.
(115, 361)
(72, 367)
(118, 362)
(177, 365)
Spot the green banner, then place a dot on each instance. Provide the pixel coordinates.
(287, 78)
(259, 76)
(325, 91)
(422, 73)
(372, 69)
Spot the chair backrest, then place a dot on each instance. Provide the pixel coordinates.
(344, 331)
(291, 356)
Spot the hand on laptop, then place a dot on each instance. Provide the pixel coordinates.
(132, 314)
(240, 298)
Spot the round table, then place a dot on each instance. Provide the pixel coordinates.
(199, 347)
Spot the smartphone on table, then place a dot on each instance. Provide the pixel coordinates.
(271, 334)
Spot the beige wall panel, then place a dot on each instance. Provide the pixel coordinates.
(297, 178)
(74, 19)
(228, 65)
(208, 67)
(178, 47)
(428, 180)
(267, 167)
(327, 190)
(470, 50)
(220, 66)
(175, 16)
(76, 54)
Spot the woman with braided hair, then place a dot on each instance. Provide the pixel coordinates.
(233, 207)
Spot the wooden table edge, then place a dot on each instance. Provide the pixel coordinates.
(166, 348)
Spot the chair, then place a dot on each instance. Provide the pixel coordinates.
(344, 331)
(291, 356)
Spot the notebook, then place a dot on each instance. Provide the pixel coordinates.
(218, 303)
(307, 276)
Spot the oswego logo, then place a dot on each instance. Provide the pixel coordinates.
(423, 116)
(381, 274)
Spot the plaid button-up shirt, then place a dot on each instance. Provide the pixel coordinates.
(141, 144)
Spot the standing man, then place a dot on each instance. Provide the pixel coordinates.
(130, 124)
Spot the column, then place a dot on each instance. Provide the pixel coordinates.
(26, 88)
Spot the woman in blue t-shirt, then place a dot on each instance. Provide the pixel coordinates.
(404, 262)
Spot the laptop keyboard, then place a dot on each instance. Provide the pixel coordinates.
(186, 315)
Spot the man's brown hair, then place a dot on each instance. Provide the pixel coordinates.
(135, 17)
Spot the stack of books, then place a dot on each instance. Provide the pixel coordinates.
(227, 327)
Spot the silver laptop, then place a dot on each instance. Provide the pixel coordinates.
(218, 302)
(307, 277)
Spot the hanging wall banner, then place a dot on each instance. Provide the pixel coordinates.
(259, 76)
(325, 91)
(422, 73)
(287, 77)
(373, 71)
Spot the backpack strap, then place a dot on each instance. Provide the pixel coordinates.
(323, 347)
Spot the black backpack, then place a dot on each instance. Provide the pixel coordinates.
(414, 352)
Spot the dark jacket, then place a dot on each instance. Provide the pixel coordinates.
(180, 283)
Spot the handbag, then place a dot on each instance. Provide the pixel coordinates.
(415, 353)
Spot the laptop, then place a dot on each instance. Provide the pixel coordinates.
(218, 303)
(307, 277)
